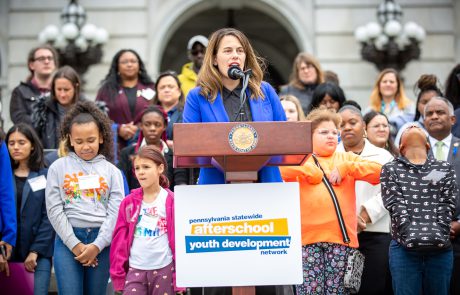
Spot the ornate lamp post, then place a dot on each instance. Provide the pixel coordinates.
(79, 45)
(389, 44)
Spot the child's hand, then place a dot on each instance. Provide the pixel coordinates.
(334, 177)
(31, 262)
(78, 249)
(88, 255)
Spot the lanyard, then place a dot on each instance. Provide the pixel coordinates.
(383, 107)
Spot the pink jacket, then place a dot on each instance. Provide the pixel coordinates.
(123, 235)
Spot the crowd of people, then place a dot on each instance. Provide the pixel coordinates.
(88, 184)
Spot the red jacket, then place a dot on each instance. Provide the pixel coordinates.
(118, 105)
(119, 110)
(123, 235)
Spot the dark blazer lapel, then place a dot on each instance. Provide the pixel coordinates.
(454, 144)
(27, 189)
(217, 107)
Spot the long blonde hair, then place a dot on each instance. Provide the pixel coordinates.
(209, 77)
(296, 102)
(400, 98)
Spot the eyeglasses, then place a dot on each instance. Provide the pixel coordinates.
(327, 132)
(195, 52)
(378, 126)
(128, 61)
(44, 58)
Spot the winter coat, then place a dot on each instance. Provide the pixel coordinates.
(23, 99)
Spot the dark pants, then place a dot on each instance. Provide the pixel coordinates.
(455, 281)
(376, 279)
(414, 271)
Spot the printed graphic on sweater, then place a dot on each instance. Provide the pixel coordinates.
(74, 194)
(421, 201)
(150, 224)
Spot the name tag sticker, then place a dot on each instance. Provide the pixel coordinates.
(88, 182)
(37, 183)
(148, 93)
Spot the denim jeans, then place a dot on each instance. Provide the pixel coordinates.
(72, 277)
(42, 276)
(413, 271)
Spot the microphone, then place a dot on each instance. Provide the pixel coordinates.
(235, 73)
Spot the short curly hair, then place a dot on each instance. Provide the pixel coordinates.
(85, 112)
(321, 114)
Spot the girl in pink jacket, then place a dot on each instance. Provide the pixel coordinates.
(142, 251)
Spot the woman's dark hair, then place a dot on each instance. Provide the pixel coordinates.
(453, 86)
(71, 75)
(331, 89)
(112, 81)
(85, 112)
(36, 158)
(156, 101)
(389, 146)
(424, 84)
(351, 102)
(153, 153)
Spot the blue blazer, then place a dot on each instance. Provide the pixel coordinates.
(199, 109)
(7, 204)
(37, 233)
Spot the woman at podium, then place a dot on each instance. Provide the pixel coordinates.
(230, 65)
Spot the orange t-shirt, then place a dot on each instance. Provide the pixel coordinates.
(318, 217)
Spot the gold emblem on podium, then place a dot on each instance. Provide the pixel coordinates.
(243, 138)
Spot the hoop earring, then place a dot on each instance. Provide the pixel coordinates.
(365, 134)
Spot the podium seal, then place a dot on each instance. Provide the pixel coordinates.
(243, 138)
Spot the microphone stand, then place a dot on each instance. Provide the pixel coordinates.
(240, 113)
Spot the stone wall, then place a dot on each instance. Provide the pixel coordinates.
(323, 27)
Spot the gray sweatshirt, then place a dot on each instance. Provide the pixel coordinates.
(68, 206)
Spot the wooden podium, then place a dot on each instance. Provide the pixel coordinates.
(240, 150)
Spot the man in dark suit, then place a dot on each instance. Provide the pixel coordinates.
(439, 119)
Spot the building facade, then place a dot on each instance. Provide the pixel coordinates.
(159, 30)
